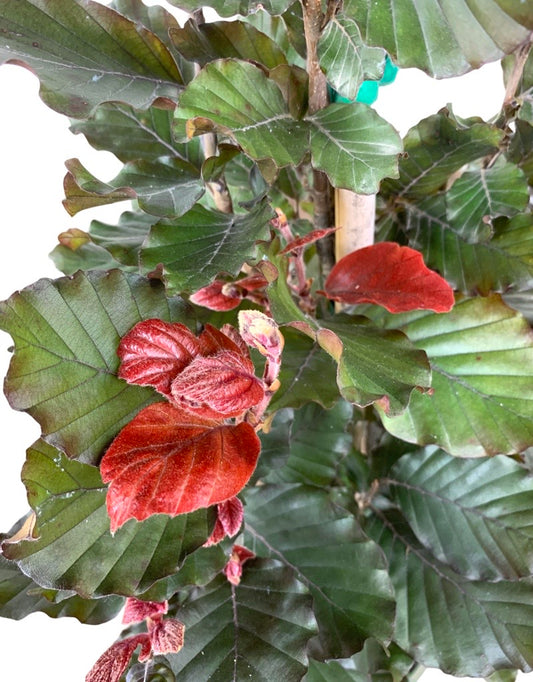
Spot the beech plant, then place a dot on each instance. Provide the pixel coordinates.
(287, 401)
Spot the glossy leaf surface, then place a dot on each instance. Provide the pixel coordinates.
(484, 531)
(344, 571)
(64, 370)
(73, 547)
(374, 365)
(248, 105)
(20, 596)
(169, 461)
(202, 243)
(345, 59)
(258, 629)
(208, 42)
(437, 147)
(482, 401)
(505, 262)
(85, 53)
(481, 625)
(390, 275)
(354, 146)
(167, 186)
(442, 40)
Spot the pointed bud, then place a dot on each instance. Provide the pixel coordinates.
(261, 332)
(233, 569)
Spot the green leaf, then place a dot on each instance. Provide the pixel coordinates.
(238, 99)
(134, 135)
(20, 596)
(483, 531)
(344, 57)
(208, 42)
(485, 193)
(257, 630)
(354, 146)
(482, 403)
(124, 240)
(344, 571)
(503, 263)
(318, 441)
(198, 569)
(88, 256)
(84, 53)
(227, 8)
(373, 663)
(167, 187)
(520, 149)
(444, 620)
(307, 374)
(195, 248)
(436, 148)
(443, 40)
(71, 546)
(64, 370)
(375, 366)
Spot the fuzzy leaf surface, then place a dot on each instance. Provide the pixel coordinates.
(390, 275)
(443, 40)
(237, 98)
(344, 571)
(483, 532)
(166, 187)
(195, 248)
(64, 369)
(354, 146)
(481, 357)
(169, 461)
(85, 53)
(482, 626)
(345, 59)
(72, 547)
(258, 629)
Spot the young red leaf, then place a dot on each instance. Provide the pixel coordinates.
(230, 515)
(112, 663)
(308, 238)
(218, 296)
(170, 461)
(136, 610)
(220, 385)
(154, 352)
(166, 635)
(390, 275)
(233, 569)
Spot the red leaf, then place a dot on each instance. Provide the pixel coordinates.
(233, 569)
(170, 461)
(218, 296)
(167, 636)
(308, 238)
(390, 275)
(230, 515)
(220, 385)
(136, 610)
(112, 663)
(154, 352)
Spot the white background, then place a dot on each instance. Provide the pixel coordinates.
(34, 143)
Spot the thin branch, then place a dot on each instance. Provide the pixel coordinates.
(513, 82)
